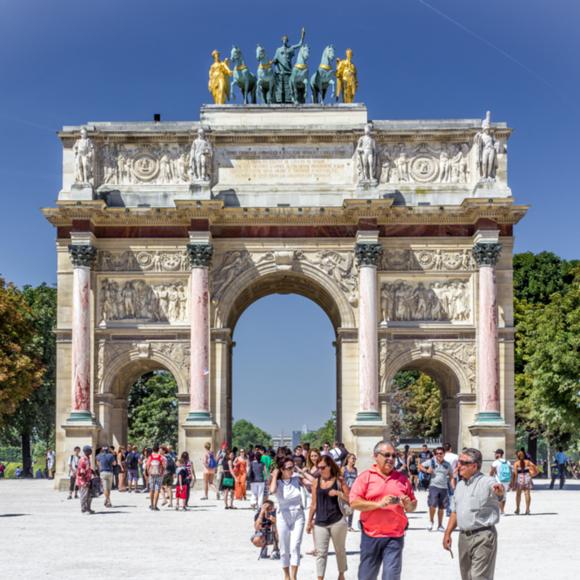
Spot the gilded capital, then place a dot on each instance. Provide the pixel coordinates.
(486, 253)
(199, 255)
(82, 255)
(368, 254)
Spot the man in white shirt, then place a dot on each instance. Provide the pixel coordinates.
(501, 469)
(73, 463)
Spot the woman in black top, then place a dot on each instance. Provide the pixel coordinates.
(326, 517)
(227, 484)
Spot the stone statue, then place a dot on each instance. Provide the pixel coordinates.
(283, 68)
(346, 78)
(219, 79)
(487, 149)
(243, 78)
(402, 165)
(299, 76)
(265, 76)
(324, 76)
(366, 151)
(200, 157)
(84, 153)
(444, 168)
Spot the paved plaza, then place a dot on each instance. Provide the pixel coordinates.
(43, 535)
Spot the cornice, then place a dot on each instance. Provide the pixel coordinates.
(502, 211)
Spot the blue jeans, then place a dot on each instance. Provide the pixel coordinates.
(375, 552)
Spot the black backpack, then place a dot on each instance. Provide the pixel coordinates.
(132, 460)
(170, 466)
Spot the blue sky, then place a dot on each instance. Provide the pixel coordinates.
(69, 62)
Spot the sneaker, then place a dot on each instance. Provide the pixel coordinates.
(440, 529)
(156, 509)
(430, 528)
(275, 555)
(69, 497)
(203, 498)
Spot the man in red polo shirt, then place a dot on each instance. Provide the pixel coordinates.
(383, 495)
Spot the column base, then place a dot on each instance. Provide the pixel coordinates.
(487, 417)
(81, 418)
(197, 417)
(366, 416)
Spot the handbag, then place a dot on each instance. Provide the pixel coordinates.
(95, 486)
(228, 482)
(344, 506)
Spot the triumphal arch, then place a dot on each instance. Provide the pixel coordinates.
(402, 232)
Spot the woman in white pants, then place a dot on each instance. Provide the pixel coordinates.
(257, 477)
(326, 517)
(287, 485)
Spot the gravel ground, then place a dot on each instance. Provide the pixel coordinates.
(43, 535)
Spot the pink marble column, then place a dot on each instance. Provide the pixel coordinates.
(200, 258)
(82, 257)
(486, 255)
(367, 257)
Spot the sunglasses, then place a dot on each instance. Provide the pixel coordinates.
(286, 467)
(388, 455)
(462, 462)
(323, 466)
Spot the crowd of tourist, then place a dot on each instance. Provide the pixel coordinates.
(316, 491)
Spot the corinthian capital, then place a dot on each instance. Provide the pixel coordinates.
(368, 254)
(199, 255)
(486, 253)
(82, 255)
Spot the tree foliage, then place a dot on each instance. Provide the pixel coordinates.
(415, 405)
(152, 410)
(21, 368)
(548, 386)
(245, 435)
(326, 433)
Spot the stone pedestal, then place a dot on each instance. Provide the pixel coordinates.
(78, 434)
(367, 434)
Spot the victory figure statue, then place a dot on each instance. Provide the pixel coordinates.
(200, 157)
(84, 152)
(283, 68)
(487, 149)
(219, 79)
(366, 151)
(346, 79)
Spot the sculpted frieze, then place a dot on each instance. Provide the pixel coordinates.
(422, 260)
(140, 301)
(142, 261)
(425, 163)
(448, 300)
(134, 164)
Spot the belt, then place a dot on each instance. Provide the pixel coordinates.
(477, 530)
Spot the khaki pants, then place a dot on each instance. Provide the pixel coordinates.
(477, 555)
(322, 535)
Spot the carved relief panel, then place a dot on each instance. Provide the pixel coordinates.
(141, 301)
(445, 300)
(142, 261)
(395, 259)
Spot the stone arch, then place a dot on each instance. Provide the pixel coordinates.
(450, 374)
(300, 277)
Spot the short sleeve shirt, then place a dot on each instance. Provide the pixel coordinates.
(105, 461)
(441, 474)
(372, 485)
(496, 465)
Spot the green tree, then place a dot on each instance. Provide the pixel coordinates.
(246, 434)
(152, 410)
(415, 405)
(551, 355)
(22, 368)
(326, 433)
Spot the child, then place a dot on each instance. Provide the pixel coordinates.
(265, 524)
(181, 489)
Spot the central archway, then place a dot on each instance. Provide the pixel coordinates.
(242, 295)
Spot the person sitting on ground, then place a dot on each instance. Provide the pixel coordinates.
(266, 533)
(155, 469)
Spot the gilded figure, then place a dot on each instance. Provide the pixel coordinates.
(219, 79)
(346, 78)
